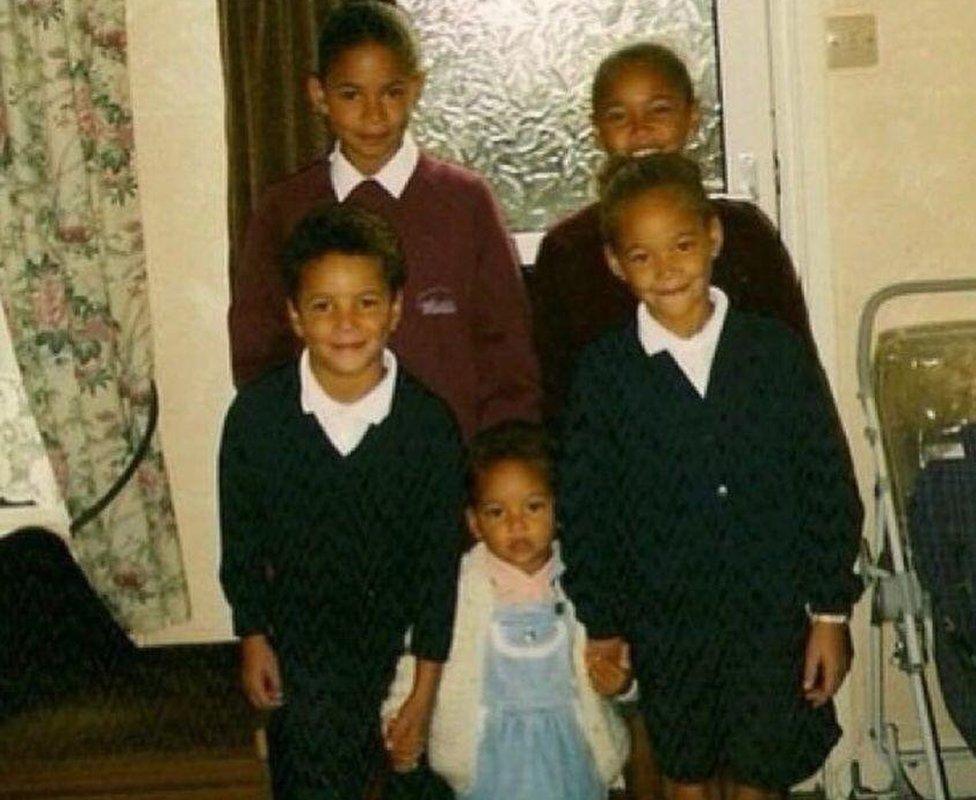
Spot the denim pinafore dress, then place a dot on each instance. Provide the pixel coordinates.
(532, 746)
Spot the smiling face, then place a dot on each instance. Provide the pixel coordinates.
(345, 313)
(367, 95)
(663, 248)
(640, 111)
(513, 513)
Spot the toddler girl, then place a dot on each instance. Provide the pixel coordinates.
(516, 716)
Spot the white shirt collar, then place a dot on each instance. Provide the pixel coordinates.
(693, 355)
(392, 176)
(346, 423)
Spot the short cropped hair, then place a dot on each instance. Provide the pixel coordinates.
(342, 229)
(656, 57)
(627, 177)
(512, 440)
(356, 22)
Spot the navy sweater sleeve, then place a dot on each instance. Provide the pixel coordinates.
(830, 506)
(591, 536)
(243, 528)
(438, 555)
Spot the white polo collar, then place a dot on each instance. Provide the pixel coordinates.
(693, 355)
(346, 423)
(392, 176)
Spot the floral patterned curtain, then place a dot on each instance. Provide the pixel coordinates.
(73, 285)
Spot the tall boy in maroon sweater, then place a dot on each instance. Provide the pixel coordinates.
(465, 328)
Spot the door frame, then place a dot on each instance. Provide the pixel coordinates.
(797, 41)
(749, 137)
(772, 61)
(798, 66)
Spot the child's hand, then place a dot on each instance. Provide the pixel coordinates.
(260, 676)
(608, 665)
(828, 658)
(406, 734)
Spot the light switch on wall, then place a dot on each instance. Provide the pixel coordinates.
(852, 41)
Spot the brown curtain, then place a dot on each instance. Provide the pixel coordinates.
(268, 49)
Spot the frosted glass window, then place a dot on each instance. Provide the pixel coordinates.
(508, 89)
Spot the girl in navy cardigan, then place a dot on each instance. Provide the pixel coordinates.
(711, 515)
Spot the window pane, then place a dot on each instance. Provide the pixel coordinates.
(508, 89)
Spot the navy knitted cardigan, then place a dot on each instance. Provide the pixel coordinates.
(681, 511)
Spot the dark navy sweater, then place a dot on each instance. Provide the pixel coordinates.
(334, 558)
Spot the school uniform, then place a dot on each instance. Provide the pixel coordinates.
(709, 504)
(465, 328)
(575, 298)
(340, 531)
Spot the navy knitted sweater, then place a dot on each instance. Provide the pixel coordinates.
(334, 558)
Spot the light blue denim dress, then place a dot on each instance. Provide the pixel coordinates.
(531, 745)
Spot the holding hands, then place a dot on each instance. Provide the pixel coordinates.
(826, 663)
(608, 665)
(405, 736)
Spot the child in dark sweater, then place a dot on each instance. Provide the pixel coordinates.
(340, 491)
(643, 100)
(465, 327)
(711, 516)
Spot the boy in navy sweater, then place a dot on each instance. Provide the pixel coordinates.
(340, 492)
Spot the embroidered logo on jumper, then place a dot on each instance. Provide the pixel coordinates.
(436, 301)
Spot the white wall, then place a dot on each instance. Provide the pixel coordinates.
(178, 103)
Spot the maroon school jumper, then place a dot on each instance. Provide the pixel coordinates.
(465, 329)
(575, 297)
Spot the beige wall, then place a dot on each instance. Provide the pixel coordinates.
(178, 102)
(901, 178)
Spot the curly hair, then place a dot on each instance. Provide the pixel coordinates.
(342, 229)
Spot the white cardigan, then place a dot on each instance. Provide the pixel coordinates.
(458, 714)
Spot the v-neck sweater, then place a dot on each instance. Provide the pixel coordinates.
(372, 535)
(334, 558)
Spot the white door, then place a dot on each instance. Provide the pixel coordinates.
(747, 102)
(508, 94)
